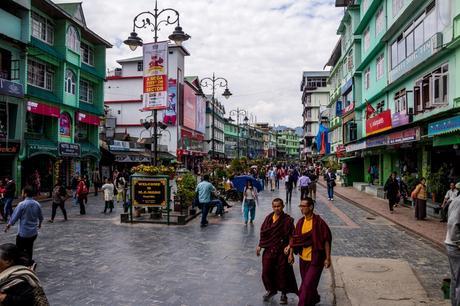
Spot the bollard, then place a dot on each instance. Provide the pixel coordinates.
(446, 288)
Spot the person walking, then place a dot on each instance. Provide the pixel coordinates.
(250, 199)
(204, 190)
(392, 189)
(304, 182)
(8, 196)
(419, 196)
(59, 195)
(81, 193)
(452, 243)
(312, 186)
(19, 285)
(451, 194)
(96, 178)
(120, 183)
(87, 184)
(272, 178)
(311, 240)
(30, 217)
(277, 271)
(73, 187)
(108, 190)
(295, 176)
(289, 184)
(330, 180)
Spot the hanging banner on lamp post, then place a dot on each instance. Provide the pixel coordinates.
(155, 58)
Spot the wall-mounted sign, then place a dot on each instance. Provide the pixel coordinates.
(408, 135)
(398, 119)
(378, 123)
(88, 119)
(149, 191)
(65, 124)
(170, 114)
(349, 108)
(155, 76)
(355, 147)
(69, 149)
(43, 109)
(9, 148)
(444, 126)
(338, 108)
(13, 89)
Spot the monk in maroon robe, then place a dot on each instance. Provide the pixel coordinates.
(312, 241)
(277, 271)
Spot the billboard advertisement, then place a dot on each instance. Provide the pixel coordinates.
(170, 113)
(200, 114)
(189, 107)
(155, 59)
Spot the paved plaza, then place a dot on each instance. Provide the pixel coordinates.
(95, 260)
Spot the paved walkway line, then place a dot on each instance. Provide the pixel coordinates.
(431, 230)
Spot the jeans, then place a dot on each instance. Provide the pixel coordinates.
(74, 197)
(204, 213)
(330, 192)
(219, 206)
(277, 183)
(288, 195)
(262, 182)
(303, 192)
(453, 253)
(8, 208)
(26, 245)
(249, 207)
(62, 207)
(82, 206)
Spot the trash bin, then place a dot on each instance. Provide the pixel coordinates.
(446, 288)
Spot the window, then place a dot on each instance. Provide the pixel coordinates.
(400, 101)
(397, 6)
(87, 54)
(380, 66)
(42, 28)
(394, 55)
(379, 21)
(73, 39)
(70, 82)
(86, 91)
(82, 132)
(410, 43)
(367, 39)
(309, 114)
(401, 49)
(316, 82)
(350, 61)
(429, 23)
(367, 78)
(365, 5)
(140, 66)
(418, 36)
(40, 74)
(440, 85)
(380, 107)
(34, 123)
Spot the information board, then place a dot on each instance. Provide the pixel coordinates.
(149, 191)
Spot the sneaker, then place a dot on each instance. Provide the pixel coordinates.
(267, 296)
(50, 221)
(245, 222)
(329, 199)
(283, 299)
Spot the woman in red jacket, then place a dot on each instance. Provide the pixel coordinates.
(82, 192)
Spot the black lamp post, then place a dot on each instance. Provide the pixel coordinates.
(214, 83)
(238, 112)
(142, 21)
(246, 119)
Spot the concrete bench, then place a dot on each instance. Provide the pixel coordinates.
(360, 186)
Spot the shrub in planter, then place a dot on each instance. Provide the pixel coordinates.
(186, 185)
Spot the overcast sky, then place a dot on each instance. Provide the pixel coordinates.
(260, 46)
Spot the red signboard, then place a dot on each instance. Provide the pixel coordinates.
(88, 119)
(378, 123)
(349, 108)
(408, 135)
(43, 109)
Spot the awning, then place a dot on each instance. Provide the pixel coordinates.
(43, 109)
(166, 156)
(444, 126)
(88, 119)
(446, 140)
(88, 149)
(132, 157)
(342, 159)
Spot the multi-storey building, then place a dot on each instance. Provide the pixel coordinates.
(315, 99)
(215, 123)
(406, 103)
(287, 144)
(231, 139)
(56, 113)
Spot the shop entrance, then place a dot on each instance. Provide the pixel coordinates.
(38, 173)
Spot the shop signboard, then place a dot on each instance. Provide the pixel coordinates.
(379, 123)
(13, 89)
(398, 119)
(338, 108)
(9, 147)
(149, 191)
(43, 109)
(355, 147)
(444, 126)
(376, 141)
(88, 119)
(349, 108)
(200, 114)
(155, 59)
(65, 124)
(170, 113)
(408, 135)
(66, 149)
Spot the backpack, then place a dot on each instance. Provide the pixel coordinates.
(84, 190)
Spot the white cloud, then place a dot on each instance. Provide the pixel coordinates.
(260, 46)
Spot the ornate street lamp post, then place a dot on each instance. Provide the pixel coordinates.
(238, 112)
(214, 83)
(152, 19)
(246, 120)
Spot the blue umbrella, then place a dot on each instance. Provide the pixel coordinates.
(239, 182)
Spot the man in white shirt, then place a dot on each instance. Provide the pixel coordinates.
(452, 243)
(451, 194)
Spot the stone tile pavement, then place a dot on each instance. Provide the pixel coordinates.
(430, 228)
(95, 260)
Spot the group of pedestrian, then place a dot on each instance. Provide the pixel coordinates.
(7, 192)
(310, 239)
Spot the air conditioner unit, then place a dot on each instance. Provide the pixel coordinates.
(437, 40)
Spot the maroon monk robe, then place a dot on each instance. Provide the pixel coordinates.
(277, 273)
(311, 271)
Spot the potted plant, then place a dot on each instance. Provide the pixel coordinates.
(186, 185)
(434, 183)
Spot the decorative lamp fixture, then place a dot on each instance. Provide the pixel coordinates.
(178, 36)
(226, 93)
(133, 41)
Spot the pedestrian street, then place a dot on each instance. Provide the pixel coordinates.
(95, 260)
